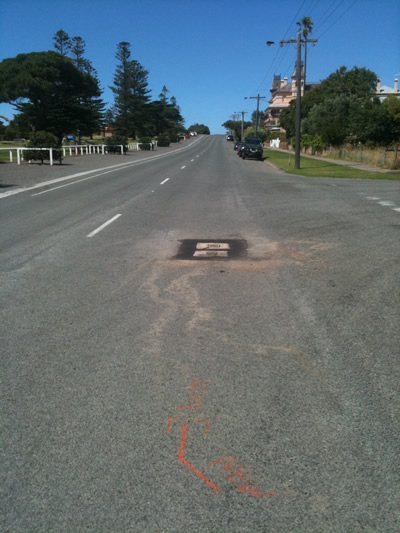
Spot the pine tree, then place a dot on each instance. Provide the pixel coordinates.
(130, 93)
(92, 106)
(77, 50)
(62, 42)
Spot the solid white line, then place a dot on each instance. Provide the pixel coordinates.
(79, 174)
(103, 226)
(165, 181)
(72, 183)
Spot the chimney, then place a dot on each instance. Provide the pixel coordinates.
(378, 87)
(396, 86)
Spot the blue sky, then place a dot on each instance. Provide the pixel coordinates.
(210, 54)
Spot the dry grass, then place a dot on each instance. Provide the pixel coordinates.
(376, 157)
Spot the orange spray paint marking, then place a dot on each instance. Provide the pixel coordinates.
(196, 395)
(240, 477)
(182, 448)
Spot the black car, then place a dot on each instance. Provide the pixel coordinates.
(252, 147)
(229, 137)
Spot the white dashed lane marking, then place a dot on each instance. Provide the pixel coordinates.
(93, 233)
(383, 203)
(387, 204)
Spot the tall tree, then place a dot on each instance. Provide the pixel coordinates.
(77, 52)
(130, 92)
(62, 42)
(163, 95)
(334, 108)
(50, 93)
(165, 117)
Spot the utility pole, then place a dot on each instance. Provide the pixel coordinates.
(258, 106)
(243, 113)
(298, 42)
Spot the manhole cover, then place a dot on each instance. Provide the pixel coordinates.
(211, 249)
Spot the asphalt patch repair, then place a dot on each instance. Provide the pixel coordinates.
(209, 249)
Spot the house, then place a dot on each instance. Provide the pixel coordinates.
(383, 91)
(282, 93)
(107, 131)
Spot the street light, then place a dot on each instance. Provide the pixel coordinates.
(298, 42)
(298, 96)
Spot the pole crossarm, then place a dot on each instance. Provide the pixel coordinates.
(302, 41)
(258, 98)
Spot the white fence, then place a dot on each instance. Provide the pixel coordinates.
(73, 150)
(136, 145)
(78, 149)
(87, 149)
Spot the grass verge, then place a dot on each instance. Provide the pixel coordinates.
(315, 168)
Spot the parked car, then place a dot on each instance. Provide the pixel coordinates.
(236, 144)
(240, 148)
(229, 137)
(252, 147)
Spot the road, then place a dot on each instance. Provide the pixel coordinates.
(255, 388)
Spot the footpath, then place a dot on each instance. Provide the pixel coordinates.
(15, 177)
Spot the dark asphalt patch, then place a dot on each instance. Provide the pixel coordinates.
(211, 249)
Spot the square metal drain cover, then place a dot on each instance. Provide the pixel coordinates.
(201, 249)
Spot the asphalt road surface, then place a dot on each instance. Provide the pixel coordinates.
(200, 343)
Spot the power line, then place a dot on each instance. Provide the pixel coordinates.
(338, 18)
(326, 14)
(280, 54)
(311, 10)
(294, 18)
(274, 65)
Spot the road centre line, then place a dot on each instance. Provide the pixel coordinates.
(165, 181)
(103, 226)
(110, 168)
(387, 204)
(184, 166)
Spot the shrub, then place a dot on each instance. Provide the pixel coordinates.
(145, 143)
(42, 139)
(114, 144)
(163, 140)
(271, 135)
(313, 141)
(251, 132)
